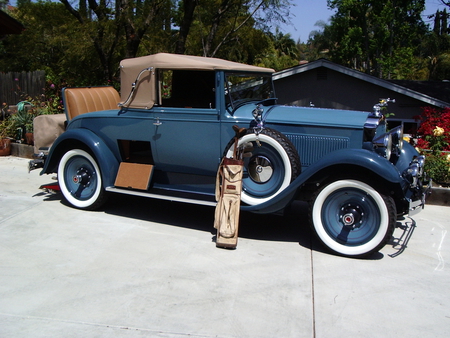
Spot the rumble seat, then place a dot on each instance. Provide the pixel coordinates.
(83, 100)
(77, 101)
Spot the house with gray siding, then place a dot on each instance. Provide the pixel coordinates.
(325, 84)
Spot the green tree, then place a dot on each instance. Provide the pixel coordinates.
(278, 52)
(106, 24)
(82, 43)
(436, 47)
(284, 44)
(373, 36)
(43, 44)
(318, 43)
(212, 27)
(186, 13)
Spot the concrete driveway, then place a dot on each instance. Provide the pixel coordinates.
(147, 268)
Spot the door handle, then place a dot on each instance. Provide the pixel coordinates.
(157, 122)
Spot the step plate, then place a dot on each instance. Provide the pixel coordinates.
(166, 197)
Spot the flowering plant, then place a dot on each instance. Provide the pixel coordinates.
(434, 130)
(433, 139)
(49, 102)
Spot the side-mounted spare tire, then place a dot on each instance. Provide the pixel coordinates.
(274, 163)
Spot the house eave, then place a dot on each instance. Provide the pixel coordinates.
(363, 77)
(9, 25)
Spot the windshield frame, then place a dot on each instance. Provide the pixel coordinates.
(245, 86)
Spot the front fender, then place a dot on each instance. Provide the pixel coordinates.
(355, 157)
(85, 139)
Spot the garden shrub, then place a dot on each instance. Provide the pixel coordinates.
(433, 140)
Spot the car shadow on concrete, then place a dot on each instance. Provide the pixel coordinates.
(291, 226)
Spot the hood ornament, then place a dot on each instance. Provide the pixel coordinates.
(380, 105)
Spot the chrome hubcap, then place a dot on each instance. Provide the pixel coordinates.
(351, 216)
(82, 177)
(260, 169)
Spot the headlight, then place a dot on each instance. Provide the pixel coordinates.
(390, 143)
(383, 145)
(414, 172)
(420, 160)
(411, 174)
(397, 139)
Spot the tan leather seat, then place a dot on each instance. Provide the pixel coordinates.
(77, 101)
(83, 100)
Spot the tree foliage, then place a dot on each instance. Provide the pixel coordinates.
(97, 34)
(122, 22)
(81, 42)
(436, 47)
(46, 43)
(378, 37)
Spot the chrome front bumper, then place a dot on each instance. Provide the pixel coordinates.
(416, 206)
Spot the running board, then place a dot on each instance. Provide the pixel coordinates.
(161, 197)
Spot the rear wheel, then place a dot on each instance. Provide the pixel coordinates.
(80, 180)
(274, 163)
(351, 218)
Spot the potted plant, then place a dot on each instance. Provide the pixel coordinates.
(5, 142)
(23, 121)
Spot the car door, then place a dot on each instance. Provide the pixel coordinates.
(187, 124)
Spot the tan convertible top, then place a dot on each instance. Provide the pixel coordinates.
(145, 93)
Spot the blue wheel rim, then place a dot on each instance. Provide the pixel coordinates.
(350, 216)
(264, 189)
(80, 166)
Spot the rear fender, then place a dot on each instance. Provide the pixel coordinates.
(87, 140)
(356, 157)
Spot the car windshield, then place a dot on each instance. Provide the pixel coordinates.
(242, 88)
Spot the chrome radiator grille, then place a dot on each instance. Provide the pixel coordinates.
(312, 148)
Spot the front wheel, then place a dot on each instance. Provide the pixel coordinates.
(351, 218)
(80, 180)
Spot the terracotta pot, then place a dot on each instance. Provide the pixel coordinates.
(29, 138)
(5, 147)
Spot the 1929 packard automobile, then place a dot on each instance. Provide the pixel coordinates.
(174, 124)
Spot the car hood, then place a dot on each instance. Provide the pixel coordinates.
(292, 115)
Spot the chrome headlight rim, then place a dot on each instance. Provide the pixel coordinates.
(412, 174)
(397, 139)
(392, 141)
(420, 161)
(384, 141)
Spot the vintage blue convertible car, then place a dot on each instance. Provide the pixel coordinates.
(174, 123)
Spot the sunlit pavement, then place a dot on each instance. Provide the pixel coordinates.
(147, 268)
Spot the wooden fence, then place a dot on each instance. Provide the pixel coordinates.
(16, 87)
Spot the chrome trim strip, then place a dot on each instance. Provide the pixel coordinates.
(160, 197)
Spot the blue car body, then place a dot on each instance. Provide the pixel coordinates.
(185, 144)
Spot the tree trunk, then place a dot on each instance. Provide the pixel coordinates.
(188, 17)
